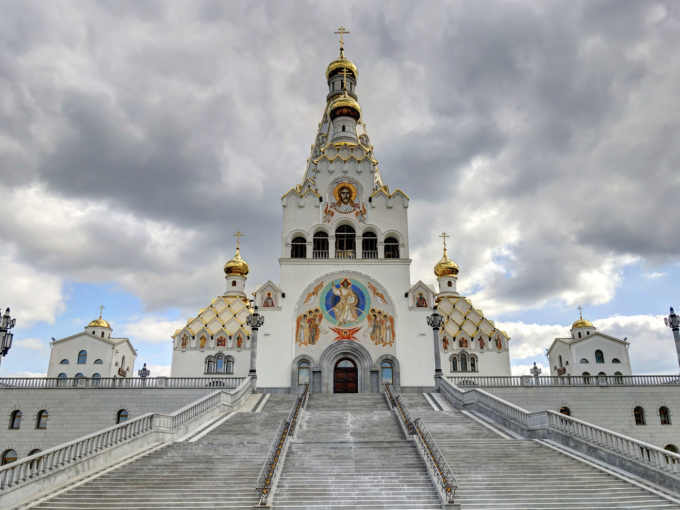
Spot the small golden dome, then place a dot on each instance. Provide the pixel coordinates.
(338, 65)
(446, 267)
(236, 265)
(582, 323)
(99, 323)
(345, 105)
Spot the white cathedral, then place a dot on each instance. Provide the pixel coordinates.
(345, 316)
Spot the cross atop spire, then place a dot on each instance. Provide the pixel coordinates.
(344, 79)
(444, 236)
(101, 310)
(238, 239)
(580, 311)
(341, 31)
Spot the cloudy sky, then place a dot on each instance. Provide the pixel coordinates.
(137, 136)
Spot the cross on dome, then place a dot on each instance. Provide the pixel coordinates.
(580, 311)
(101, 310)
(341, 31)
(444, 236)
(238, 238)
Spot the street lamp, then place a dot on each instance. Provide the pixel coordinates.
(673, 322)
(535, 371)
(5, 336)
(435, 321)
(144, 372)
(255, 321)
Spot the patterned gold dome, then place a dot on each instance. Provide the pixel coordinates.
(236, 265)
(582, 323)
(99, 323)
(446, 267)
(345, 105)
(339, 64)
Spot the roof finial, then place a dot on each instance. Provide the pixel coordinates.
(101, 310)
(444, 236)
(580, 309)
(238, 239)
(342, 31)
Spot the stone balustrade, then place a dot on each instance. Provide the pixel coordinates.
(116, 382)
(474, 381)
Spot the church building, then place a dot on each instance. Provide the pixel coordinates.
(345, 316)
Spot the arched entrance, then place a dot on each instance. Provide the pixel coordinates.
(345, 377)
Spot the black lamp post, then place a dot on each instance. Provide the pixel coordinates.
(144, 372)
(255, 321)
(535, 371)
(5, 336)
(435, 321)
(673, 322)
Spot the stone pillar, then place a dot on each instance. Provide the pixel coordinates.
(673, 322)
(254, 321)
(436, 321)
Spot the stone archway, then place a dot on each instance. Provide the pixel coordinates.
(354, 352)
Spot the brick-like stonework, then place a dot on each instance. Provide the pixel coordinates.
(74, 413)
(610, 407)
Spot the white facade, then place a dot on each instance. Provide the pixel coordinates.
(345, 291)
(588, 352)
(92, 353)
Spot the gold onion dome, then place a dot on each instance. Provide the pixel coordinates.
(236, 265)
(339, 64)
(582, 323)
(446, 267)
(345, 105)
(99, 323)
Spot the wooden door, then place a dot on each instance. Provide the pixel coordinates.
(345, 377)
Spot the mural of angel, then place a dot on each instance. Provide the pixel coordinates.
(380, 298)
(361, 214)
(314, 293)
(389, 331)
(327, 214)
(221, 342)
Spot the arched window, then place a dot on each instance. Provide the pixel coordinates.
(391, 248)
(15, 420)
(303, 373)
(98, 362)
(230, 365)
(586, 377)
(219, 364)
(454, 364)
(639, 414)
(82, 357)
(565, 410)
(63, 362)
(41, 420)
(34, 451)
(450, 283)
(386, 372)
(579, 335)
(210, 365)
(619, 377)
(96, 378)
(671, 448)
(583, 360)
(122, 363)
(560, 356)
(616, 360)
(79, 375)
(298, 249)
(102, 334)
(121, 416)
(233, 283)
(8, 457)
(345, 242)
(320, 250)
(473, 364)
(665, 416)
(599, 357)
(63, 382)
(463, 363)
(369, 246)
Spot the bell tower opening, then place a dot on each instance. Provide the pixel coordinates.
(345, 377)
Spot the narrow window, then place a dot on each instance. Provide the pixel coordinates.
(63, 382)
(96, 379)
(599, 357)
(450, 284)
(586, 378)
(122, 362)
(665, 416)
(41, 421)
(63, 362)
(579, 335)
(303, 373)
(98, 362)
(8, 457)
(387, 372)
(82, 357)
(639, 414)
(565, 410)
(219, 364)
(560, 360)
(463, 363)
(345, 242)
(230, 365)
(583, 360)
(619, 377)
(233, 284)
(298, 248)
(15, 420)
(210, 367)
(121, 416)
(391, 248)
(616, 360)
(454, 364)
(473, 364)
(369, 246)
(102, 334)
(343, 127)
(320, 250)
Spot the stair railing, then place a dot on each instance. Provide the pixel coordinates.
(440, 471)
(286, 430)
(389, 395)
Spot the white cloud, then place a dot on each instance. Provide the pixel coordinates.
(653, 276)
(529, 340)
(20, 374)
(524, 369)
(33, 344)
(151, 330)
(158, 370)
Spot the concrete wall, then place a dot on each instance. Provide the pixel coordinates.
(80, 411)
(609, 407)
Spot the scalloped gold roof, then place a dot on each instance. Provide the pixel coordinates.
(236, 265)
(446, 267)
(339, 63)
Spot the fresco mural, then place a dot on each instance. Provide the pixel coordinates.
(346, 200)
(345, 307)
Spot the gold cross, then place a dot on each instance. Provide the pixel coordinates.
(101, 310)
(580, 308)
(444, 236)
(342, 31)
(238, 238)
(344, 78)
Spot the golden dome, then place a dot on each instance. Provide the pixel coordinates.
(236, 265)
(446, 267)
(345, 105)
(99, 323)
(582, 323)
(338, 64)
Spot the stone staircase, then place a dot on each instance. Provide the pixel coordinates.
(218, 470)
(507, 474)
(350, 453)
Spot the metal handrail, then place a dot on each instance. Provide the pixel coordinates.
(434, 457)
(404, 415)
(389, 394)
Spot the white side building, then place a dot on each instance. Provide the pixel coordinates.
(92, 353)
(588, 352)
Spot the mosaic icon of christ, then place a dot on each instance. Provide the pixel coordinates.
(345, 310)
(345, 203)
